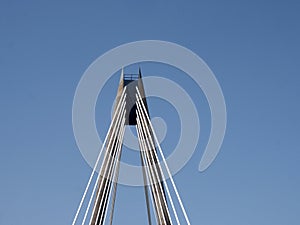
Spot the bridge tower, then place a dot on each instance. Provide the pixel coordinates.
(131, 108)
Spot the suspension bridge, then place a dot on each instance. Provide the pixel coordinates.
(130, 109)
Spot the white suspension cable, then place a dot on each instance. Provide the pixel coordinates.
(107, 172)
(119, 149)
(155, 165)
(110, 169)
(164, 160)
(149, 173)
(115, 184)
(93, 192)
(116, 127)
(145, 178)
(157, 160)
(122, 98)
(155, 180)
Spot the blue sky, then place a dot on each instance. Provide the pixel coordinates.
(251, 46)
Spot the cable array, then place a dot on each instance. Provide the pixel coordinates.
(103, 191)
(113, 146)
(150, 134)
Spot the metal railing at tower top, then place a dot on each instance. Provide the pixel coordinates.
(131, 76)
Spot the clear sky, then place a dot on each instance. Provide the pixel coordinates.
(252, 47)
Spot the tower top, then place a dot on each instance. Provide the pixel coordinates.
(131, 81)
